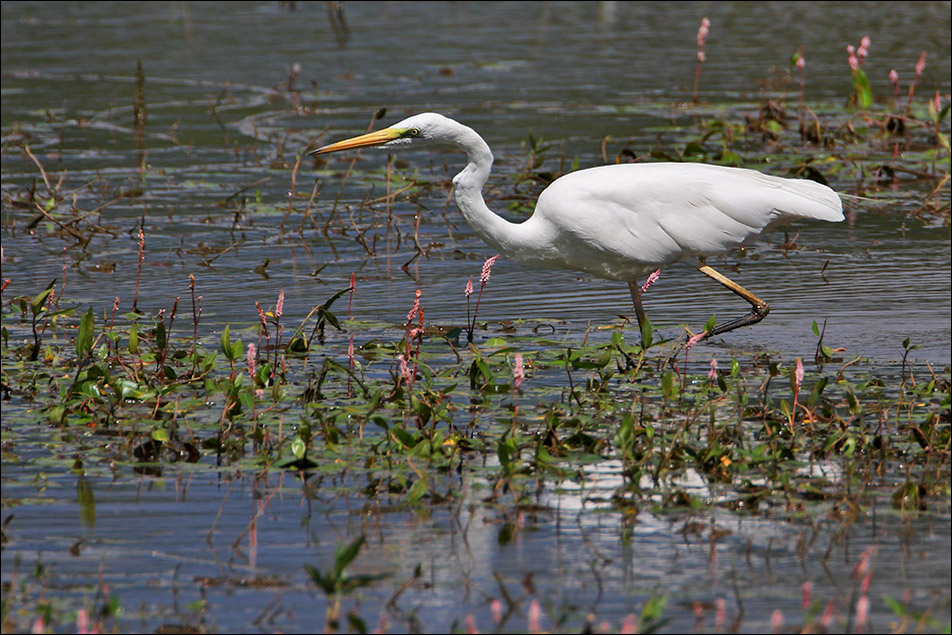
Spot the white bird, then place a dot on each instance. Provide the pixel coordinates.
(622, 221)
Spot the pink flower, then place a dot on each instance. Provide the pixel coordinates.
(720, 614)
(703, 31)
(854, 63)
(937, 102)
(712, 374)
(279, 309)
(798, 373)
(850, 49)
(862, 567)
(776, 621)
(701, 57)
(695, 339)
(82, 622)
(261, 318)
(469, 287)
(252, 352)
(471, 624)
(535, 617)
(801, 62)
(629, 625)
(862, 612)
(405, 373)
(894, 78)
(865, 42)
(495, 608)
(921, 65)
(487, 269)
(651, 280)
(518, 372)
(806, 595)
(415, 309)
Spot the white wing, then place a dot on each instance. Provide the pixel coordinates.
(618, 221)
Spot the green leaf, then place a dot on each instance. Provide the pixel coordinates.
(226, 347)
(417, 490)
(160, 336)
(668, 387)
(84, 336)
(38, 302)
(134, 340)
(346, 555)
(864, 94)
(298, 447)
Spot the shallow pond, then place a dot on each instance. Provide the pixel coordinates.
(198, 148)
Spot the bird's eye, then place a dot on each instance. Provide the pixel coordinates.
(414, 132)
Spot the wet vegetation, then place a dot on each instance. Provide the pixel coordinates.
(435, 420)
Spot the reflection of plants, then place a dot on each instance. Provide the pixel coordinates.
(336, 583)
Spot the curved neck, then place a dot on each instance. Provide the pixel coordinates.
(509, 238)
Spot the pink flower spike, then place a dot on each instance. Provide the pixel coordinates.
(415, 309)
(937, 102)
(487, 269)
(894, 78)
(629, 625)
(651, 280)
(82, 621)
(850, 49)
(535, 617)
(518, 372)
(865, 42)
(469, 287)
(801, 62)
(862, 613)
(694, 340)
(712, 374)
(921, 65)
(720, 614)
(826, 620)
(862, 52)
(701, 57)
(252, 353)
(702, 31)
(798, 373)
(405, 373)
(776, 621)
(471, 624)
(495, 608)
(806, 595)
(854, 63)
(279, 309)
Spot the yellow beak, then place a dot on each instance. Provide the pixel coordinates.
(365, 140)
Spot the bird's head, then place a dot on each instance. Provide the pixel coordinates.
(424, 129)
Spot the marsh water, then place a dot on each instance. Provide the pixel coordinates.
(232, 93)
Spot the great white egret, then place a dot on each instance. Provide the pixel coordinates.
(623, 221)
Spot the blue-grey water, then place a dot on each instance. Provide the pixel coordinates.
(233, 91)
